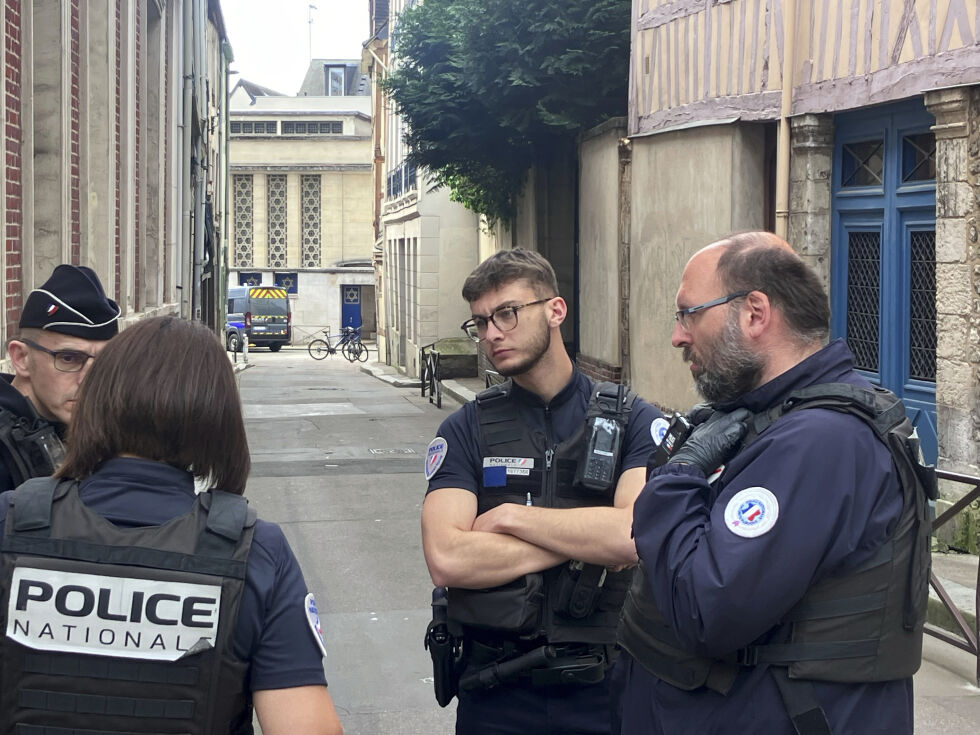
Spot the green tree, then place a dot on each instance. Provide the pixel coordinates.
(487, 86)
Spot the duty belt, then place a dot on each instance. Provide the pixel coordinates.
(547, 665)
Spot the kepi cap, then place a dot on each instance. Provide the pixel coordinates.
(72, 302)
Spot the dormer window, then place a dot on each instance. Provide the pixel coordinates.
(336, 81)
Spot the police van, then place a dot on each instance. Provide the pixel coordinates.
(259, 314)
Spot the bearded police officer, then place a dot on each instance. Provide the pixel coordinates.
(64, 324)
(784, 550)
(131, 604)
(527, 516)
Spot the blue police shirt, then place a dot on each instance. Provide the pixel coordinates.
(273, 633)
(839, 498)
(556, 421)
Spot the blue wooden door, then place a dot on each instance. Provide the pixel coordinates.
(883, 274)
(350, 315)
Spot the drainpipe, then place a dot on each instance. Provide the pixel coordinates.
(786, 109)
(184, 250)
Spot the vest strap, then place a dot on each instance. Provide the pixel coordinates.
(159, 709)
(32, 504)
(806, 713)
(787, 653)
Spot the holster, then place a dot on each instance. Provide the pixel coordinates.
(444, 649)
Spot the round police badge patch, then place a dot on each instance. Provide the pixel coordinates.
(658, 428)
(435, 455)
(313, 618)
(752, 512)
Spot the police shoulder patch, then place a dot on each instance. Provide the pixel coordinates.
(658, 427)
(752, 512)
(434, 456)
(313, 618)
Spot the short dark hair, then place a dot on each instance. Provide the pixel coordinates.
(761, 261)
(162, 390)
(507, 266)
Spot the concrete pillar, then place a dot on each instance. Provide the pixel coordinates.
(809, 190)
(957, 130)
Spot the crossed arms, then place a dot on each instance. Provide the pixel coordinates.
(465, 550)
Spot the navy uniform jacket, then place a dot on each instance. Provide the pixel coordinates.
(13, 400)
(557, 421)
(839, 498)
(273, 633)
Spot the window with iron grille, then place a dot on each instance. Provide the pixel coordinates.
(242, 192)
(863, 163)
(310, 197)
(276, 220)
(863, 283)
(922, 306)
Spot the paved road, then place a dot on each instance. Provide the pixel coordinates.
(336, 461)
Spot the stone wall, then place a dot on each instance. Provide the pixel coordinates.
(809, 195)
(957, 130)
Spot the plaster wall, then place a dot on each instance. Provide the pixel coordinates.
(279, 152)
(689, 188)
(599, 211)
(319, 299)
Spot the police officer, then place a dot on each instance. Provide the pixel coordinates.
(127, 603)
(527, 515)
(63, 325)
(784, 551)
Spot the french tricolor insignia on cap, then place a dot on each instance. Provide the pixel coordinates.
(52, 309)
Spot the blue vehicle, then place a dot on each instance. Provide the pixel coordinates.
(259, 314)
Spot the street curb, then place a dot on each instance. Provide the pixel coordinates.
(383, 372)
(457, 391)
(962, 597)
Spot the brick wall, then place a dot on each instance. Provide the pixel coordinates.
(75, 225)
(14, 215)
(598, 369)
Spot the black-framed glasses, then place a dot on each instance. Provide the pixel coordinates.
(65, 361)
(681, 315)
(504, 319)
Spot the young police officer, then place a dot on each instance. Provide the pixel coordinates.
(787, 594)
(528, 511)
(64, 324)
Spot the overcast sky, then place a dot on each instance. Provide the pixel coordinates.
(271, 38)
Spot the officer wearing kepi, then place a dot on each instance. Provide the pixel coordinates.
(129, 603)
(527, 516)
(64, 325)
(784, 545)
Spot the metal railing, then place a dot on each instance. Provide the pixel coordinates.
(429, 368)
(968, 638)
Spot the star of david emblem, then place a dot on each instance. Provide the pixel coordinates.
(352, 295)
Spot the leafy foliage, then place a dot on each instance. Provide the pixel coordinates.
(487, 85)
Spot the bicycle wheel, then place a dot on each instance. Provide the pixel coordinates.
(318, 349)
(362, 352)
(348, 352)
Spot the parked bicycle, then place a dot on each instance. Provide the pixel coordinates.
(349, 345)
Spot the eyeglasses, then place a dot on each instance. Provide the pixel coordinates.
(681, 315)
(65, 361)
(504, 319)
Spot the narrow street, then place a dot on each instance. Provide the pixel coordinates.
(337, 462)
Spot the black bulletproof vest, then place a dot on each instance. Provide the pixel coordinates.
(89, 612)
(862, 626)
(575, 602)
(29, 447)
